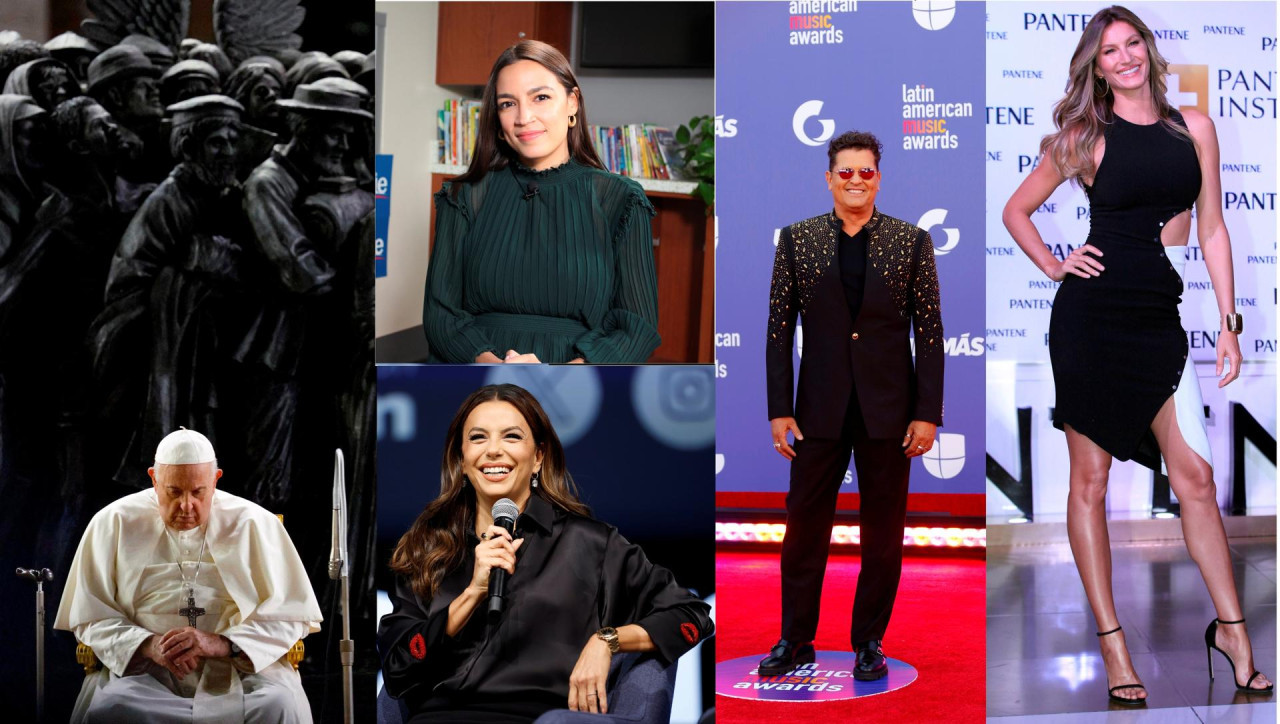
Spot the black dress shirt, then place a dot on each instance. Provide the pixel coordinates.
(573, 576)
(853, 268)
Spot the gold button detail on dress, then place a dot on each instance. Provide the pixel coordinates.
(853, 336)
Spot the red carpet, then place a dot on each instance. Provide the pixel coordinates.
(938, 627)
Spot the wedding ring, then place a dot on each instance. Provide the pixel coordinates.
(777, 444)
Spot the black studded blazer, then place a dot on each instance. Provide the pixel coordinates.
(872, 351)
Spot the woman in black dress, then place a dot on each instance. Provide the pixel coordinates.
(540, 255)
(577, 593)
(1125, 388)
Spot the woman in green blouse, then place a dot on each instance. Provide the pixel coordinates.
(540, 254)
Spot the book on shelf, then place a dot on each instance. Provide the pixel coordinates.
(637, 150)
(456, 125)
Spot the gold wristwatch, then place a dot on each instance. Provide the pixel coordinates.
(609, 635)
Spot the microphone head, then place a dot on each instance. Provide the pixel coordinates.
(505, 508)
(339, 481)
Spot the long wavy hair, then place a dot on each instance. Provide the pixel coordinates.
(433, 545)
(492, 152)
(1084, 112)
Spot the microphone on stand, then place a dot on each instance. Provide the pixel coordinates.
(531, 190)
(338, 572)
(338, 551)
(504, 513)
(39, 575)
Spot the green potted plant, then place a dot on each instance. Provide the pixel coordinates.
(697, 145)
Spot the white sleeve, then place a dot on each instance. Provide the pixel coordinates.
(113, 640)
(264, 642)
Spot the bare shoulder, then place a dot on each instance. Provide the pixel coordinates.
(1199, 123)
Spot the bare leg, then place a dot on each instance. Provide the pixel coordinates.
(1192, 480)
(1091, 546)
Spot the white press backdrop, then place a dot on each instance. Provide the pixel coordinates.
(1222, 59)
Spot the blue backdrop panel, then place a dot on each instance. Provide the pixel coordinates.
(789, 76)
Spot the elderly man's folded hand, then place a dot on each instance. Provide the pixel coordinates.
(182, 649)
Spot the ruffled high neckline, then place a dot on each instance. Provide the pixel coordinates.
(565, 171)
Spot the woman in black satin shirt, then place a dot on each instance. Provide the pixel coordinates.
(577, 590)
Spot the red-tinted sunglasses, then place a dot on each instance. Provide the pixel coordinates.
(847, 173)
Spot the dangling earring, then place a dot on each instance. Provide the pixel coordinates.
(534, 482)
(1106, 87)
(573, 120)
(465, 483)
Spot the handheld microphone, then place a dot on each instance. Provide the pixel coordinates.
(531, 190)
(505, 513)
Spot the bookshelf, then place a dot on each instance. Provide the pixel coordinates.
(683, 255)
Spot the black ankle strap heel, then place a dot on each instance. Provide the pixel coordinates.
(1211, 645)
(1111, 693)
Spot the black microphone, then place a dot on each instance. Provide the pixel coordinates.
(531, 190)
(505, 513)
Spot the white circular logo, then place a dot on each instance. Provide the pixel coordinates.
(807, 110)
(676, 404)
(933, 14)
(934, 217)
(946, 458)
(570, 396)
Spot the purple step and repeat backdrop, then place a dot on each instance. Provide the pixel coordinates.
(790, 76)
(1222, 58)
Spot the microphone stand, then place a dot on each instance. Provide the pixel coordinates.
(338, 572)
(39, 576)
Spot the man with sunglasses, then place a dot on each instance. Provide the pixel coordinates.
(860, 281)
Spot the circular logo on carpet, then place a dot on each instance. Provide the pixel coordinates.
(827, 679)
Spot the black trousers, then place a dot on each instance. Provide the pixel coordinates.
(816, 475)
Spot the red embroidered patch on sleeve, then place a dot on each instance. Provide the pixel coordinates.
(690, 632)
(418, 647)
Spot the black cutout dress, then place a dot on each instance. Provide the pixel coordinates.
(1115, 340)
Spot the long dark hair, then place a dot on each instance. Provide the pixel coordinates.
(433, 545)
(1085, 110)
(491, 152)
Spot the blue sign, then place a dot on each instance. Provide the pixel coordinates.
(381, 211)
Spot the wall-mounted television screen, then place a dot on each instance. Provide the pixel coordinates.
(669, 35)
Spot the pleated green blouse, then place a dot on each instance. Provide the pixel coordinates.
(566, 273)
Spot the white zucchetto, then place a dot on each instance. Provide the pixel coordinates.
(184, 447)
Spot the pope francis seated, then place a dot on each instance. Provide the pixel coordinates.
(190, 597)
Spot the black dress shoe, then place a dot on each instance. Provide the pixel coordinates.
(871, 662)
(785, 657)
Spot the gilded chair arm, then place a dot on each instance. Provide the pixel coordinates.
(86, 658)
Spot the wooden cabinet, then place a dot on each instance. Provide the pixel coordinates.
(684, 256)
(471, 35)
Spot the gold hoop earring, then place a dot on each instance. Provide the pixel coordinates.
(1106, 87)
(573, 120)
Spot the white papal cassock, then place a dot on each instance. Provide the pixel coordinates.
(124, 586)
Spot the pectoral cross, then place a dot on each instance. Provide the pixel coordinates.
(192, 611)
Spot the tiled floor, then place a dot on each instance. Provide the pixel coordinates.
(1043, 663)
